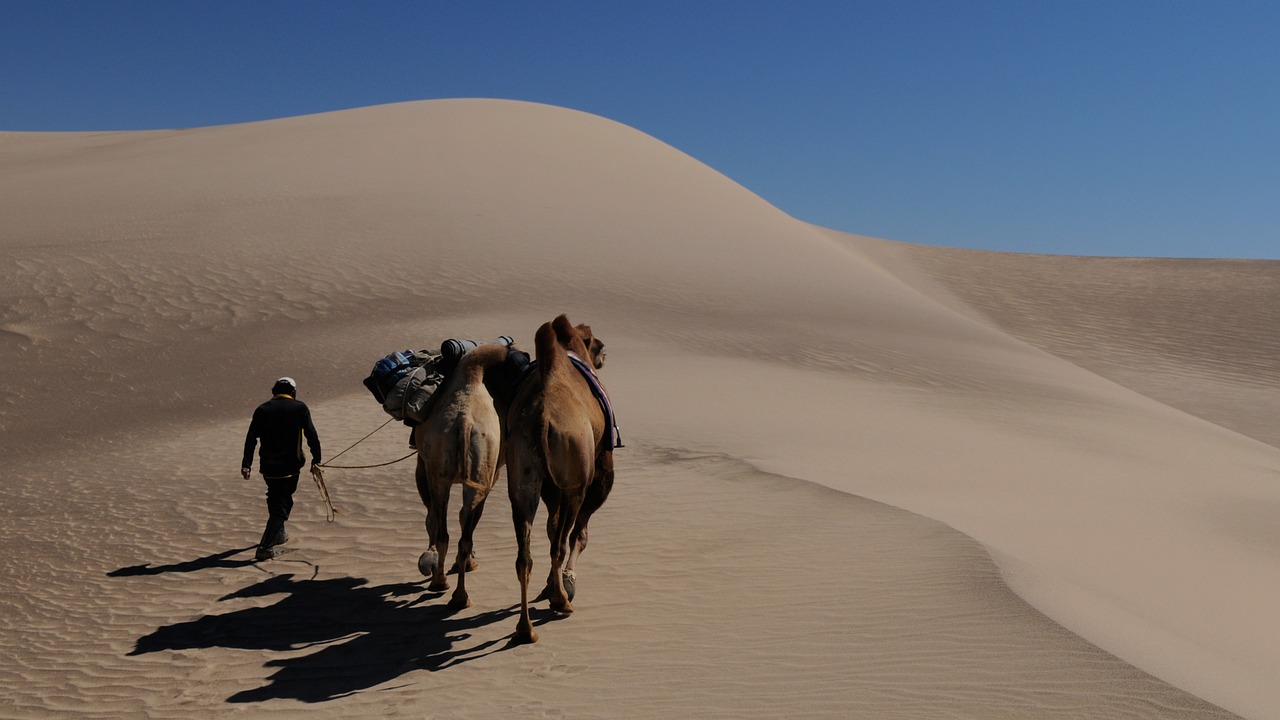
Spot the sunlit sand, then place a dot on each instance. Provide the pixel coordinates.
(861, 478)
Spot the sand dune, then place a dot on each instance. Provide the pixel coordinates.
(1193, 334)
(845, 455)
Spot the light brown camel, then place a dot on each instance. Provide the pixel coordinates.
(460, 442)
(560, 449)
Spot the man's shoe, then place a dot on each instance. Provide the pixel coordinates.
(267, 553)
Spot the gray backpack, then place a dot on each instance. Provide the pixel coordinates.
(407, 399)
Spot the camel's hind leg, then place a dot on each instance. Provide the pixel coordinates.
(551, 496)
(484, 463)
(428, 560)
(556, 592)
(597, 493)
(438, 531)
(469, 516)
(468, 507)
(524, 507)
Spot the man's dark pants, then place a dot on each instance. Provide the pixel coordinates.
(279, 505)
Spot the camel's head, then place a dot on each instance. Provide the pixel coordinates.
(595, 348)
(577, 339)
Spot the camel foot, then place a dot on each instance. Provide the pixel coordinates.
(459, 602)
(427, 562)
(525, 635)
(472, 565)
(438, 585)
(570, 581)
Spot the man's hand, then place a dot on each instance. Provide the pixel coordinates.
(244, 473)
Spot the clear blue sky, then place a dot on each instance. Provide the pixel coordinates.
(1123, 127)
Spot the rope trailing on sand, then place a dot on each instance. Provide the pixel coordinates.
(318, 475)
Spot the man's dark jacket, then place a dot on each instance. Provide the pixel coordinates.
(281, 423)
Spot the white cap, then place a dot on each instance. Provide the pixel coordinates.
(288, 381)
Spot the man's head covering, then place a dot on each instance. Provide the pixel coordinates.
(285, 386)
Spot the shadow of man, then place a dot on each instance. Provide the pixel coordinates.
(216, 560)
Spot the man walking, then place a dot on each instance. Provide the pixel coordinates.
(280, 424)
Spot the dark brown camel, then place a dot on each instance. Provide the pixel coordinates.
(460, 442)
(560, 450)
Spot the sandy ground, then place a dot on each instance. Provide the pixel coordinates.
(862, 478)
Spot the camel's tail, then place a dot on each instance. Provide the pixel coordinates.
(474, 363)
(465, 460)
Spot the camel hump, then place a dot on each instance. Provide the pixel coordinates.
(570, 336)
(565, 331)
(544, 348)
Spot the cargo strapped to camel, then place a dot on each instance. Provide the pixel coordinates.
(404, 381)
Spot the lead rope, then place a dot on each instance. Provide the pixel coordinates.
(366, 437)
(318, 475)
(366, 467)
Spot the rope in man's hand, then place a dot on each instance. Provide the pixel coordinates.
(318, 475)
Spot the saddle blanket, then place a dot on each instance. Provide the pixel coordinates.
(610, 423)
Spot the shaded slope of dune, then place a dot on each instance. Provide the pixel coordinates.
(1199, 335)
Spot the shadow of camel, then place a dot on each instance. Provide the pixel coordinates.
(216, 560)
(364, 636)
